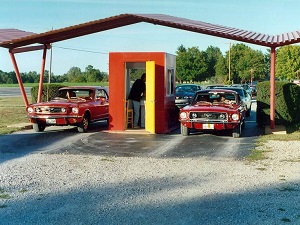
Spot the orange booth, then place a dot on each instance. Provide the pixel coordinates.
(158, 111)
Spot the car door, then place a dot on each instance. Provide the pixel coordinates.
(102, 104)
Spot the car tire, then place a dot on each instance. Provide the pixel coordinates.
(38, 127)
(84, 124)
(236, 133)
(185, 131)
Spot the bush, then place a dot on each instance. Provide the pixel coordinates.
(287, 105)
(49, 91)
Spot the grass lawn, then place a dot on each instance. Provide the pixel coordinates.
(12, 111)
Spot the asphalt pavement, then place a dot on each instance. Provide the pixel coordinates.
(13, 91)
(134, 143)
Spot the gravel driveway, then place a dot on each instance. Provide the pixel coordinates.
(91, 189)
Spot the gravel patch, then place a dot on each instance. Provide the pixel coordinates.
(77, 189)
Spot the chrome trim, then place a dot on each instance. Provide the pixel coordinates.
(208, 121)
(53, 117)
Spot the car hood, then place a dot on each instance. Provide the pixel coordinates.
(60, 103)
(208, 107)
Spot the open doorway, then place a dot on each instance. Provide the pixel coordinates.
(133, 72)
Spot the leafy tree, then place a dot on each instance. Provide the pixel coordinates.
(75, 75)
(180, 63)
(93, 75)
(11, 78)
(136, 74)
(191, 64)
(245, 63)
(221, 70)
(213, 54)
(267, 65)
(1, 77)
(288, 62)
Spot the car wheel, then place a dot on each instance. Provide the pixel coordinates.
(248, 112)
(84, 124)
(185, 131)
(236, 133)
(38, 127)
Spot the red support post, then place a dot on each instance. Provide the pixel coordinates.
(272, 88)
(13, 59)
(40, 92)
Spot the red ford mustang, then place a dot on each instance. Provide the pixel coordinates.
(214, 110)
(77, 106)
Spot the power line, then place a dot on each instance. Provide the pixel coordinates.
(80, 50)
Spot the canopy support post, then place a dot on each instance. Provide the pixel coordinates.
(272, 88)
(40, 92)
(12, 56)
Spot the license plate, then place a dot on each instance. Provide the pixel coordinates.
(51, 121)
(208, 126)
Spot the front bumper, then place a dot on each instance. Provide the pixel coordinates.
(52, 120)
(180, 103)
(209, 125)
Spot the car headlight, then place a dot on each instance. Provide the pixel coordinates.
(30, 110)
(75, 110)
(222, 116)
(235, 116)
(183, 115)
(63, 110)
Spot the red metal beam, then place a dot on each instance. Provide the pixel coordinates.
(42, 75)
(272, 88)
(28, 49)
(19, 78)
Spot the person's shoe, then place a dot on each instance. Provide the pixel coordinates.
(136, 127)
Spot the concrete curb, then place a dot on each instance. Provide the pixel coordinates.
(279, 129)
(22, 125)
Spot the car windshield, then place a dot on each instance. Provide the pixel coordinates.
(186, 88)
(74, 94)
(238, 90)
(215, 97)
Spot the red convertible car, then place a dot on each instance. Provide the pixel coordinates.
(76, 106)
(214, 110)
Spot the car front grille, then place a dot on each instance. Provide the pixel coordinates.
(49, 110)
(208, 116)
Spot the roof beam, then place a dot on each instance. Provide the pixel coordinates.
(28, 49)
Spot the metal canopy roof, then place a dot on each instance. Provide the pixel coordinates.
(6, 35)
(12, 38)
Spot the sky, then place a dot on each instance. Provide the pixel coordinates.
(265, 16)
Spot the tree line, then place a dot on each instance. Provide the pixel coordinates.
(240, 64)
(74, 75)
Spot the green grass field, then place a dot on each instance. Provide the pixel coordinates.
(12, 111)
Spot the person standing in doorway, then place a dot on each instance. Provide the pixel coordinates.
(137, 91)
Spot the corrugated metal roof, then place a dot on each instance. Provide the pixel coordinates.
(12, 38)
(7, 35)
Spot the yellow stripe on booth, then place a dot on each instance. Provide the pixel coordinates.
(150, 97)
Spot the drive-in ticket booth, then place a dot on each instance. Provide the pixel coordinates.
(160, 112)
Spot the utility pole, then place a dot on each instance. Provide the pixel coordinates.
(251, 75)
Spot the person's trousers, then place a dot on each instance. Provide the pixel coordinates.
(136, 109)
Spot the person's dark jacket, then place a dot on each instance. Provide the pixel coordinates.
(137, 89)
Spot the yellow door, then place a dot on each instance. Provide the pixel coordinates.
(150, 97)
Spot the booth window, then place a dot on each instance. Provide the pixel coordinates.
(170, 82)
